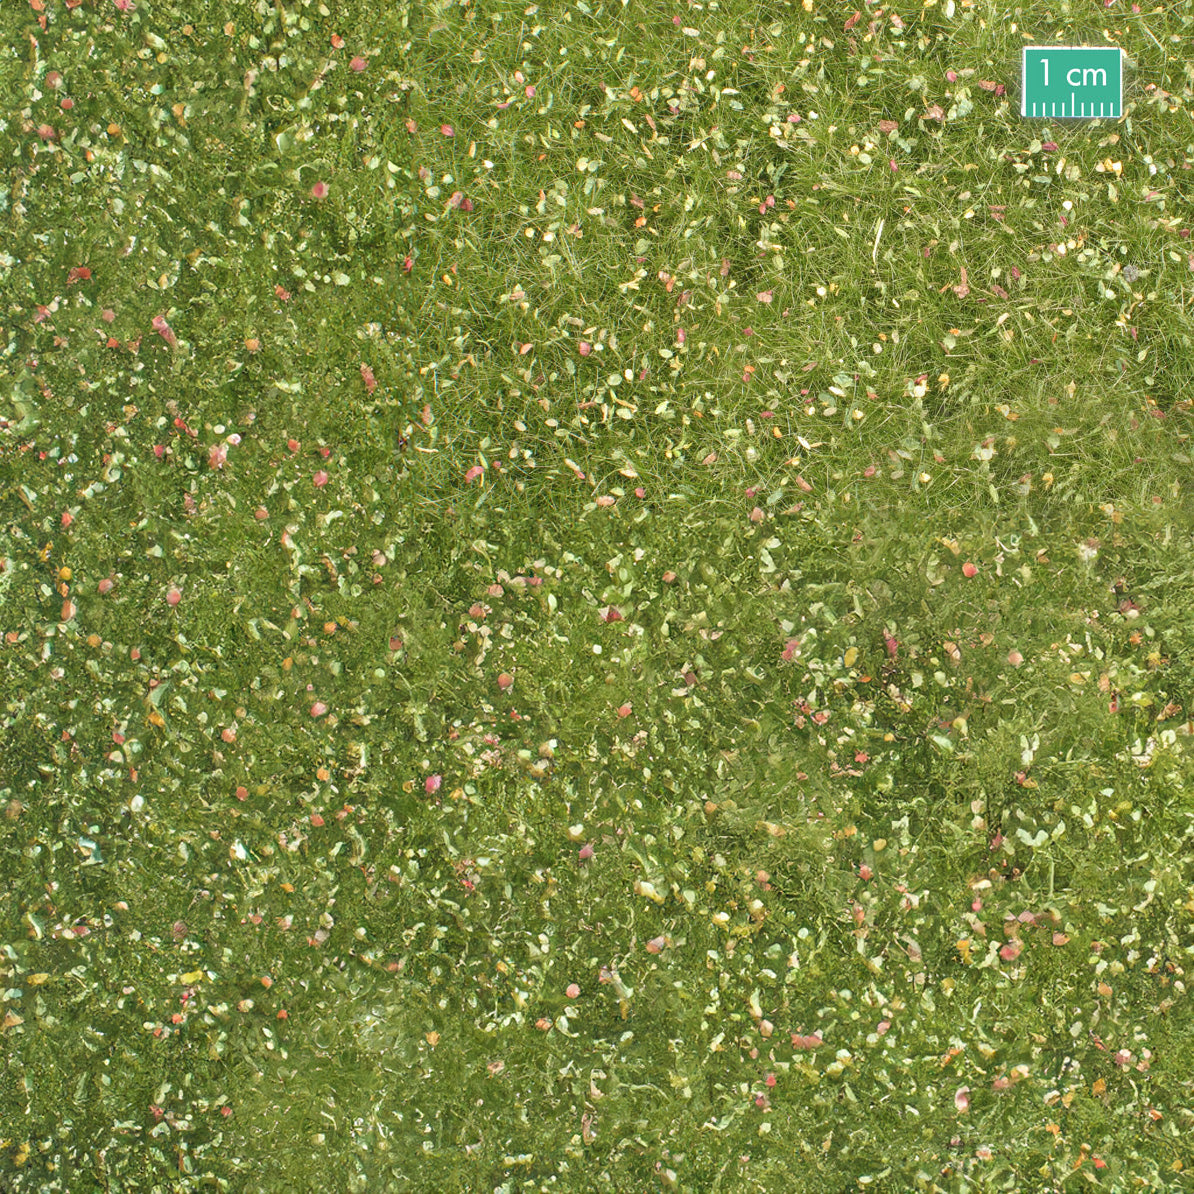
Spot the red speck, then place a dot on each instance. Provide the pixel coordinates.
(358, 63)
(969, 569)
(242, 793)
(408, 263)
(173, 597)
(505, 681)
(572, 991)
(320, 479)
(164, 330)
(318, 709)
(317, 820)
(319, 190)
(293, 445)
(585, 852)
(584, 348)
(447, 130)
(67, 518)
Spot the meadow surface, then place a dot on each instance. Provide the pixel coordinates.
(593, 596)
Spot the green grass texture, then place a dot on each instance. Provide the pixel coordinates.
(594, 596)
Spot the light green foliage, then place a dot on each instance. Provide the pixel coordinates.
(591, 600)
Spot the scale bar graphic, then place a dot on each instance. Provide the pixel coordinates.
(1048, 71)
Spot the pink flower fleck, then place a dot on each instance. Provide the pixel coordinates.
(318, 709)
(962, 1099)
(969, 569)
(505, 681)
(173, 597)
(319, 190)
(432, 784)
(791, 650)
(473, 473)
(585, 852)
(320, 479)
(163, 329)
(447, 130)
(572, 991)
(106, 585)
(584, 348)
(217, 456)
(655, 945)
(358, 63)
